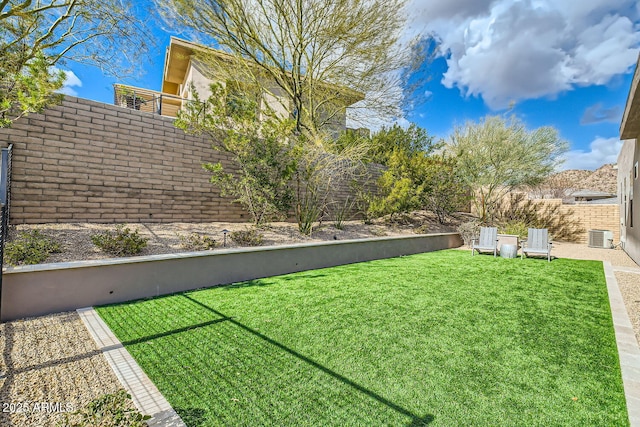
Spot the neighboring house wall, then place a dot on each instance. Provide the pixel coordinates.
(629, 194)
(196, 77)
(275, 100)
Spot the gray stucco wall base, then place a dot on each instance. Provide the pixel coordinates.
(49, 288)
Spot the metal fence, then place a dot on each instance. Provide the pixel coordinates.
(149, 101)
(5, 204)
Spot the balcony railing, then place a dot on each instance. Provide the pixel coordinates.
(147, 100)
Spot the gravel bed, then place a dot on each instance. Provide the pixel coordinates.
(49, 364)
(629, 284)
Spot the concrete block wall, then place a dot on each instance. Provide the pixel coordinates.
(597, 217)
(592, 217)
(87, 161)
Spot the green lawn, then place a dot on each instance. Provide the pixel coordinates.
(442, 338)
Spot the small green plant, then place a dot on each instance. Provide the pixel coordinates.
(120, 242)
(197, 242)
(109, 410)
(248, 237)
(423, 229)
(469, 231)
(308, 210)
(29, 247)
(517, 228)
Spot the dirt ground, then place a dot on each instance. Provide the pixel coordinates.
(76, 245)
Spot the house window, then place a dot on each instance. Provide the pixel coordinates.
(635, 171)
(131, 101)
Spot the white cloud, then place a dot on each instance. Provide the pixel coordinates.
(506, 50)
(601, 151)
(71, 81)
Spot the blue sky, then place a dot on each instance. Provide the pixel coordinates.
(563, 63)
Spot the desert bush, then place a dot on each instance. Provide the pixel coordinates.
(109, 410)
(469, 231)
(197, 242)
(29, 247)
(518, 209)
(309, 208)
(423, 229)
(120, 242)
(363, 202)
(248, 237)
(514, 227)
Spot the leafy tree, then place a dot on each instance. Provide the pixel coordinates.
(36, 35)
(420, 181)
(308, 55)
(399, 185)
(497, 155)
(444, 189)
(410, 141)
(262, 152)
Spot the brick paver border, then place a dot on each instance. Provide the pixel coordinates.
(628, 350)
(144, 393)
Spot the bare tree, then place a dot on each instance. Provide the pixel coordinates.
(312, 55)
(36, 35)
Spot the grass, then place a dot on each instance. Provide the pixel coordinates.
(439, 339)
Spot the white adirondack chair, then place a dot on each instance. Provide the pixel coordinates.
(488, 241)
(537, 243)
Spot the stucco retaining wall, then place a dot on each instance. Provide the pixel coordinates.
(49, 288)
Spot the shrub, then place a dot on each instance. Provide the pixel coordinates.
(517, 228)
(29, 247)
(197, 242)
(469, 231)
(110, 410)
(363, 205)
(248, 237)
(121, 241)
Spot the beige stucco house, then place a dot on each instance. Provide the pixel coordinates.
(628, 180)
(183, 73)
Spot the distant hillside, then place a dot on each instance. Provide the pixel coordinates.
(561, 185)
(604, 179)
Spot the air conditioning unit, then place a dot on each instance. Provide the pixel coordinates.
(601, 239)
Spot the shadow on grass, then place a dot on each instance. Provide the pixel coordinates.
(223, 371)
(193, 417)
(265, 282)
(415, 419)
